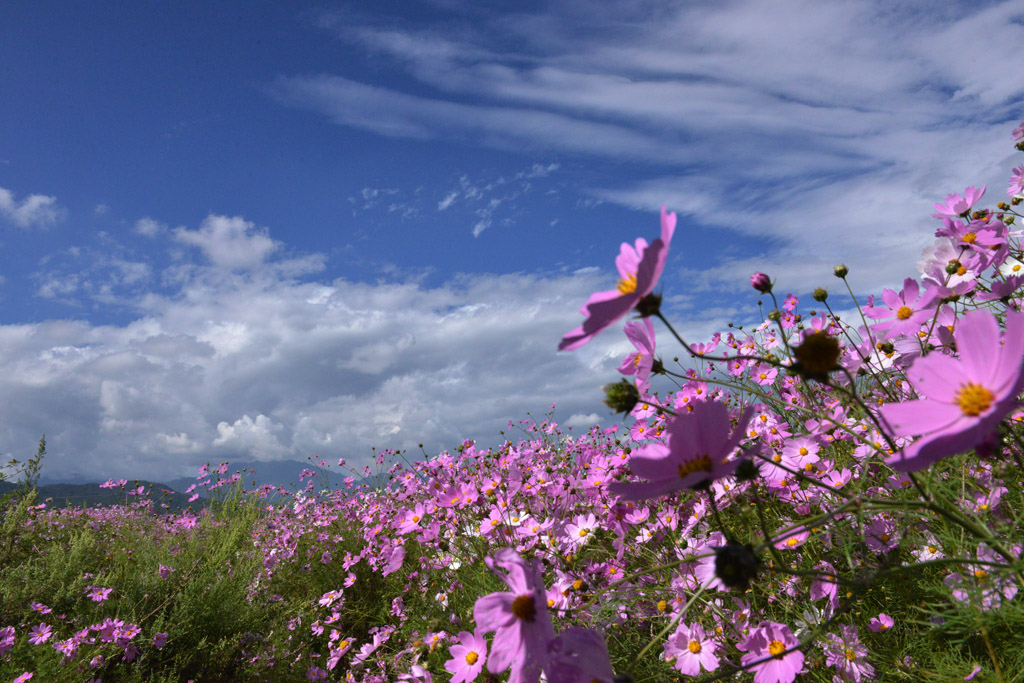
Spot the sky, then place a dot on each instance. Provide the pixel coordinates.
(272, 231)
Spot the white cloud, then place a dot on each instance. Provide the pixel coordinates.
(232, 243)
(823, 127)
(448, 200)
(227, 365)
(36, 210)
(149, 227)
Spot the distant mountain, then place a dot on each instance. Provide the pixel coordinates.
(74, 489)
(91, 495)
(279, 474)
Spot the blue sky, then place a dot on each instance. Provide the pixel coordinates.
(268, 230)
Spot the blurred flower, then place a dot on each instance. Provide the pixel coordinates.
(768, 642)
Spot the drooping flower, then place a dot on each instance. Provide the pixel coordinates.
(696, 449)
(639, 267)
(519, 618)
(641, 333)
(965, 398)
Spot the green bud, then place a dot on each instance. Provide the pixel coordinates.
(841, 270)
(1016, 200)
(953, 267)
(886, 347)
(820, 294)
(775, 315)
(1008, 219)
(622, 396)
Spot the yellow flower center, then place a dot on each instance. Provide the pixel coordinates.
(694, 646)
(980, 574)
(627, 285)
(776, 648)
(792, 541)
(850, 655)
(974, 399)
(583, 532)
(904, 312)
(803, 451)
(662, 605)
(523, 607)
(415, 519)
(471, 658)
(702, 463)
(970, 238)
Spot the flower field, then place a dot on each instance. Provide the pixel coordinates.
(820, 498)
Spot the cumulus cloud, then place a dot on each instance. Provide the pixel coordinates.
(229, 242)
(229, 365)
(37, 210)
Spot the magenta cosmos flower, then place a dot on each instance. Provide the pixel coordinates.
(905, 312)
(467, 658)
(955, 205)
(519, 618)
(639, 267)
(965, 398)
(766, 645)
(696, 449)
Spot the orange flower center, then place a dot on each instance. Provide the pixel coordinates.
(776, 648)
(694, 646)
(702, 463)
(904, 312)
(627, 285)
(974, 399)
(523, 608)
(471, 658)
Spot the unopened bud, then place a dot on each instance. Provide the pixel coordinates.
(1020, 146)
(841, 270)
(820, 294)
(1016, 200)
(761, 282)
(622, 396)
(1008, 219)
(953, 267)
(775, 315)
(1003, 205)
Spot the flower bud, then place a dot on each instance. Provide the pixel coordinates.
(953, 267)
(1016, 200)
(649, 305)
(761, 282)
(820, 294)
(622, 396)
(1020, 146)
(736, 565)
(841, 270)
(817, 356)
(775, 315)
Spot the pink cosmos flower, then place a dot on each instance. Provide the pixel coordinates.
(955, 205)
(880, 624)
(519, 618)
(24, 677)
(40, 634)
(639, 267)
(693, 650)
(965, 398)
(903, 313)
(697, 448)
(641, 333)
(580, 655)
(767, 642)
(468, 657)
(1016, 186)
